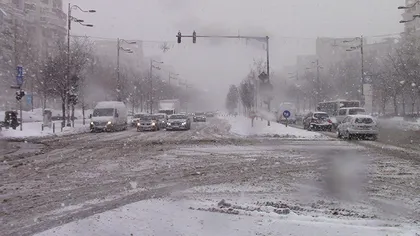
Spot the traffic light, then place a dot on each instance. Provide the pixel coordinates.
(20, 94)
(194, 37)
(73, 99)
(179, 36)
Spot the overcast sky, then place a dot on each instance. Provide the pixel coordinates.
(217, 64)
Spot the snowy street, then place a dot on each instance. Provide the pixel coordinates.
(53, 181)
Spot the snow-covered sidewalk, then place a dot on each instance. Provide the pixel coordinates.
(212, 216)
(34, 129)
(241, 125)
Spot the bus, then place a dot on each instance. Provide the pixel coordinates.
(332, 107)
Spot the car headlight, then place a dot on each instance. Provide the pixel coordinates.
(138, 124)
(168, 123)
(153, 124)
(109, 122)
(184, 123)
(91, 123)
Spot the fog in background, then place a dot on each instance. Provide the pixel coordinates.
(212, 65)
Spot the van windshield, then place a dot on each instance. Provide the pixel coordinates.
(103, 112)
(356, 111)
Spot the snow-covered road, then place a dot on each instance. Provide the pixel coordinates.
(80, 176)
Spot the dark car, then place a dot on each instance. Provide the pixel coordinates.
(317, 121)
(210, 114)
(162, 118)
(136, 118)
(148, 123)
(199, 117)
(178, 122)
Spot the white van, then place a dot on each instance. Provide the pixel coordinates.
(109, 116)
(349, 111)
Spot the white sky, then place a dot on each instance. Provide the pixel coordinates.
(216, 65)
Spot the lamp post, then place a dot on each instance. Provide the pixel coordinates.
(127, 50)
(152, 66)
(296, 76)
(318, 80)
(362, 68)
(71, 19)
(170, 77)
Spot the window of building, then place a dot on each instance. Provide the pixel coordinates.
(45, 1)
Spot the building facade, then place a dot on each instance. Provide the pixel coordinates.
(407, 15)
(27, 26)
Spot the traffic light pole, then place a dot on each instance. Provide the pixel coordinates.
(20, 114)
(264, 39)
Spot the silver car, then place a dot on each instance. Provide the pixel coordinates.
(178, 122)
(361, 126)
(148, 123)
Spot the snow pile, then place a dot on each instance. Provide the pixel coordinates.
(33, 129)
(186, 217)
(400, 123)
(242, 126)
(36, 114)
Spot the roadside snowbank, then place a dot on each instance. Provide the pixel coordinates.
(33, 129)
(242, 126)
(400, 123)
(36, 115)
(186, 217)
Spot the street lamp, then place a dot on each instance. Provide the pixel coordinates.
(360, 46)
(170, 77)
(81, 22)
(152, 66)
(127, 50)
(408, 7)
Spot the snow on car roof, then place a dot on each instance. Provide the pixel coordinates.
(362, 116)
(352, 108)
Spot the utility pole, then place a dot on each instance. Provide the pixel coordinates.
(362, 67)
(363, 64)
(118, 71)
(318, 83)
(170, 77)
(127, 50)
(151, 86)
(70, 19)
(151, 81)
(258, 38)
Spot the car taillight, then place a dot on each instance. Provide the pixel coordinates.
(329, 121)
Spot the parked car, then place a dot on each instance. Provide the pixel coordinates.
(210, 114)
(317, 121)
(109, 116)
(178, 122)
(162, 118)
(199, 117)
(148, 123)
(136, 118)
(361, 126)
(349, 111)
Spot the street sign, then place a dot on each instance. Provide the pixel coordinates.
(286, 114)
(29, 99)
(19, 75)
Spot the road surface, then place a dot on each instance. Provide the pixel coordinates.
(49, 182)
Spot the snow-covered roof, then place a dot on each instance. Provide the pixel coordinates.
(352, 108)
(109, 104)
(362, 116)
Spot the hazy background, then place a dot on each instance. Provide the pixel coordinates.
(212, 65)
